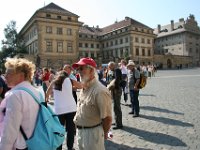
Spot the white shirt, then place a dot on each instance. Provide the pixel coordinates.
(21, 109)
(63, 100)
(124, 69)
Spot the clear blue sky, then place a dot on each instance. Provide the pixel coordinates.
(103, 12)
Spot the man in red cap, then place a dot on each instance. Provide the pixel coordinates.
(94, 109)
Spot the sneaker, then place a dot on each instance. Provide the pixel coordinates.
(131, 113)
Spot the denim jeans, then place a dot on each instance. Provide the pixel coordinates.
(134, 101)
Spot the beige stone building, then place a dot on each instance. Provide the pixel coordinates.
(51, 36)
(179, 43)
(55, 36)
(89, 43)
(127, 39)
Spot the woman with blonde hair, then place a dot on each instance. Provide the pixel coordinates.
(21, 109)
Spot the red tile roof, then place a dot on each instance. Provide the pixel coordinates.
(118, 25)
(124, 23)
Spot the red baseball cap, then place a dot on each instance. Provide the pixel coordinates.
(85, 61)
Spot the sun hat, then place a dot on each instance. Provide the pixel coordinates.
(131, 63)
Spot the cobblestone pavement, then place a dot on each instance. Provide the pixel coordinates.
(169, 115)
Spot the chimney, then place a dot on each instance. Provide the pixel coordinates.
(172, 25)
(97, 26)
(127, 18)
(181, 20)
(159, 27)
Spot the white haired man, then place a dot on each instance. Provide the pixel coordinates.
(94, 109)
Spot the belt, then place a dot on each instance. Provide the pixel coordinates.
(83, 127)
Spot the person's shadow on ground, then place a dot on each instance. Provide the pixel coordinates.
(168, 121)
(154, 137)
(110, 145)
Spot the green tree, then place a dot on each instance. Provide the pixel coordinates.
(10, 33)
(13, 43)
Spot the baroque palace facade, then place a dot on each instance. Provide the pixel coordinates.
(54, 36)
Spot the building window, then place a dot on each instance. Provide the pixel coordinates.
(60, 62)
(110, 53)
(92, 55)
(106, 44)
(69, 47)
(48, 29)
(86, 45)
(107, 54)
(148, 41)
(59, 17)
(69, 31)
(111, 43)
(126, 40)
(80, 44)
(143, 40)
(49, 62)
(59, 31)
(69, 18)
(49, 46)
(121, 41)
(149, 52)
(97, 45)
(143, 52)
(80, 35)
(137, 52)
(59, 47)
(116, 42)
(86, 54)
(92, 45)
(48, 15)
(116, 53)
(121, 52)
(136, 39)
